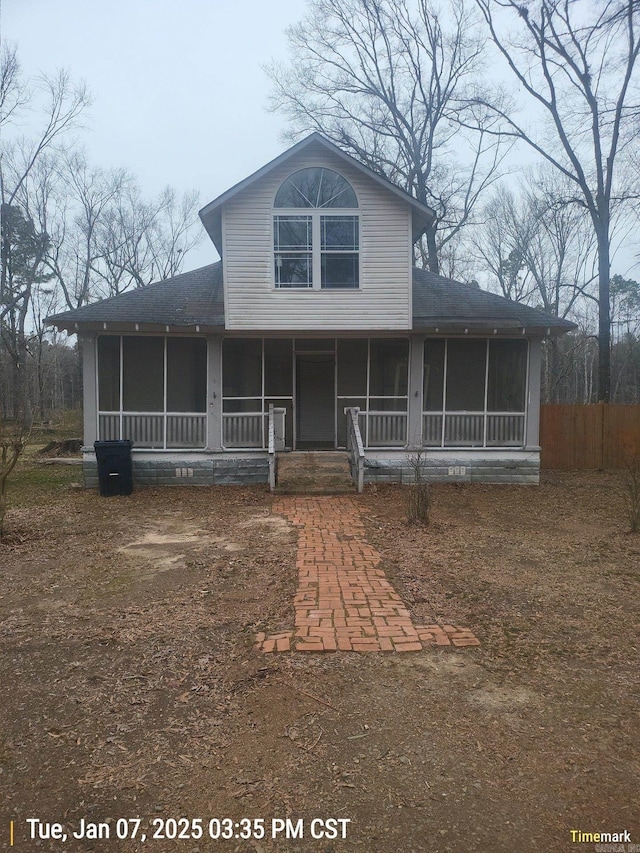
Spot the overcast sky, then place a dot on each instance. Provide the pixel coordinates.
(179, 95)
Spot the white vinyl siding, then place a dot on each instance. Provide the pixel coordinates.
(383, 299)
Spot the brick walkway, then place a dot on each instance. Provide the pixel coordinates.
(344, 600)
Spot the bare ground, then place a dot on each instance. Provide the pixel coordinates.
(130, 687)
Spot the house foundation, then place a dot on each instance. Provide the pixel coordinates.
(516, 467)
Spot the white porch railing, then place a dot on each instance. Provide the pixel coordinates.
(164, 430)
(109, 427)
(505, 429)
(355, 447)
(432, 430)
(174, 430)
(463, 429)
(243, 429)
(251, 429)
(473, 429)
(386, 429)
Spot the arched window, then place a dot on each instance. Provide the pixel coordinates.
(316, 249)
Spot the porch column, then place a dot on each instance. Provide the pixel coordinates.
(532, 429)
(214, 393)
(87, 345)
(414, 414)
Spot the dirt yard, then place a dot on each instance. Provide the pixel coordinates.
(131, 688)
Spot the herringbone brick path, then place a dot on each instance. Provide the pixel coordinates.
(344, 600)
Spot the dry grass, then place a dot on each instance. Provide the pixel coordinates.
(126, 627)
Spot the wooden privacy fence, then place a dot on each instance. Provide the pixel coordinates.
(597, 436)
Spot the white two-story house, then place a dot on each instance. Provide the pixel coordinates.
(314, 331)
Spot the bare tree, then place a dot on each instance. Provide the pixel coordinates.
(23, 250)
(500, 243)
(625, 321)
(61, 104)
(14, 96)
(560, 254)
(577, 62)
(144, 241)
(12, 443)
(538, 248)
(384, 79)
(104, 238)
(72, 201)
(24, 246)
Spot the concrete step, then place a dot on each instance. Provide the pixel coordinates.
(313, 472)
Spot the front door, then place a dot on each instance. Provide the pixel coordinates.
(315, 401)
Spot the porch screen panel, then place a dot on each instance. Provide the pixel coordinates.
(186, 375)
(242, 368)
(109, 373)
(507, 376)
(278, 368)
(389, 368)
(387, 404)
(278, 381)
(352, 368)
(466, 368)
(235, 407)
(433, 376)
(386, 419)
(143, 374)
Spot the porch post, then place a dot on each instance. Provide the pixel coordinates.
(414, 415)
(532, 429)
(214, 393)
(89, 388)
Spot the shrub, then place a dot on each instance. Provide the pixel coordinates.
(419, 502)
(13, 439)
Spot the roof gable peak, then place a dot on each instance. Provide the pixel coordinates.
(208, 212)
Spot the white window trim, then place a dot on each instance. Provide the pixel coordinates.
(315, 214)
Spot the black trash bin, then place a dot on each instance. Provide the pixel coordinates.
(115, 471)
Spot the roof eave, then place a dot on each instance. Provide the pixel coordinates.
(75, 327)
(441, 326)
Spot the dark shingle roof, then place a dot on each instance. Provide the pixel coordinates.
(190, 299)
(196, 299)
(448, 303)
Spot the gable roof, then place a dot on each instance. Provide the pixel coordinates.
(196, 298)
(191, 299)
(210, 214)
(446, 304)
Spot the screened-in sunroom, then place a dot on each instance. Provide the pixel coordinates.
(159, 391)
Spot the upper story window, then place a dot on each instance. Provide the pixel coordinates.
(316, 249)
